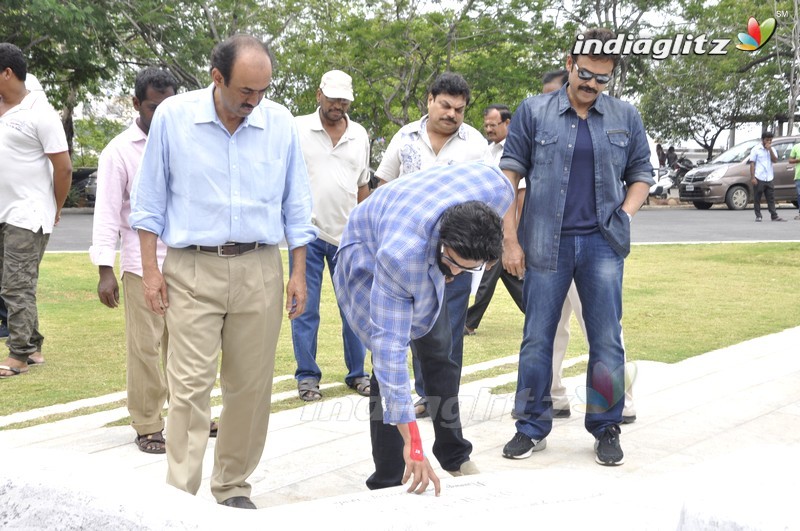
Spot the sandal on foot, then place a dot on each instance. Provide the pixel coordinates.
(13, 370)
(212, 432)
(152, 443)
(308, 390)
(360, 385)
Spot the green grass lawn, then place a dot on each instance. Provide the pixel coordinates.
(680, 301)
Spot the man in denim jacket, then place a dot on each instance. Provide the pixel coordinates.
(586, 162)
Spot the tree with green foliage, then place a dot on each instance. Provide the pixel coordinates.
(91, 136)
(69, 45)
(700, 96)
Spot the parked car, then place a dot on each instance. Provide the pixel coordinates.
(726, 178)
(84, 186)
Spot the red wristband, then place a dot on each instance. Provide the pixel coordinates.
(416, 441)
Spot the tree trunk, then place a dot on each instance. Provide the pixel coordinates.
(67, 117)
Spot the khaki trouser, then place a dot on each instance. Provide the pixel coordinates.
(147, 336)
(557, 390)
(233, 304)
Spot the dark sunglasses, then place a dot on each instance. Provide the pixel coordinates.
(450, 261)
(586, 75)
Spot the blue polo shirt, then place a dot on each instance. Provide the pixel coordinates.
(579, 210)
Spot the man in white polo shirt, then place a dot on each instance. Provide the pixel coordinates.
(336, 152)
(35, 175)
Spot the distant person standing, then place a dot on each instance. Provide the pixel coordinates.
(35, 175)
(761, 158)
(672, 157)
(794, 158)
(336, 151)
(145, 332)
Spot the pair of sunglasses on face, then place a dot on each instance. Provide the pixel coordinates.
(586, 75)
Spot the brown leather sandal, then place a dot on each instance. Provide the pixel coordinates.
(153, 443)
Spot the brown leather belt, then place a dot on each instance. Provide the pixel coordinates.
(227, 249)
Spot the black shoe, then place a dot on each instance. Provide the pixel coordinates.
(469, 331)
(561, 413)
(628, 419)
(421, 408)
(778, 219)
(239, 502)
(3, 330)
(522, 446)
(607, 449)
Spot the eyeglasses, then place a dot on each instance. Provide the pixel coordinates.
(586, 75)
(476, 269)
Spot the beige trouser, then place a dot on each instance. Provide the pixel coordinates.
(146, 335)
(233, 304)
(557, 390)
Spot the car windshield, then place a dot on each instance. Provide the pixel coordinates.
(737, 153)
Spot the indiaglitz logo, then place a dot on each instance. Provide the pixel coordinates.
(757, 34)
(626, 44)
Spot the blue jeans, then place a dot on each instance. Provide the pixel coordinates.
(797, 185)
(306, 326)
(457, 300)
(597, 270)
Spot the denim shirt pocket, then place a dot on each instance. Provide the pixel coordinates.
(619, 140)
(544, 151)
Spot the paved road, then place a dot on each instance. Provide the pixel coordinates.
(687, 224)
(652, 225)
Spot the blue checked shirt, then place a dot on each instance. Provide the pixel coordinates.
(387, 278)
(200, 185)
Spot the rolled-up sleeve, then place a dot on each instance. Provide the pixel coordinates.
(517, 151)
(149, 189)
(639, 168)
(296, 206)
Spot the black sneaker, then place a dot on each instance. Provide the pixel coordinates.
(561, 413)
(522, 446)
(606, 448)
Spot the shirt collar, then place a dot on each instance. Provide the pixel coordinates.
(564, 105)
(206, 112)
(317, 124)
(423, 128)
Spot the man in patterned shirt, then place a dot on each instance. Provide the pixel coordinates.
(398, 251)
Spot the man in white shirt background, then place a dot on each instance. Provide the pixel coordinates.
(336, 152)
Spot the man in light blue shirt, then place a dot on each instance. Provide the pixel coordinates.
(221, 182)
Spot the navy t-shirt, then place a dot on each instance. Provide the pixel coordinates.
(580, 216)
